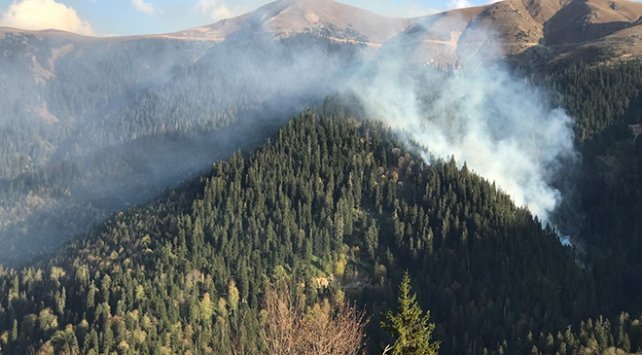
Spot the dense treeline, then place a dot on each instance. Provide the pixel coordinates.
(603, 99)
(333, 203)
(623, 335)
(605, 207)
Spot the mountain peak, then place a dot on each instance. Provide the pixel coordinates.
(305, 3)
(286, 18)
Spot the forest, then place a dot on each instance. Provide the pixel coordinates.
(122, 121)
(340, 208)
(604, 206)
(335, 209)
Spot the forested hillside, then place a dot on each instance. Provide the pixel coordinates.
(84, 122)
(605, 205)
(335, 204)
(622, 335)
(156, 197)
(603, 99)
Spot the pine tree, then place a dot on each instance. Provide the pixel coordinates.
(410, 327)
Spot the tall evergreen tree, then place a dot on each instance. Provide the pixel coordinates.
(410, 327)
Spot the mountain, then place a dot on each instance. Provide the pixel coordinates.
(127, 239)
(532, 32)
(285, 18)
(612, 26)
(93, 125)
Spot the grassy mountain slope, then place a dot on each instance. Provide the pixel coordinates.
(531, 32)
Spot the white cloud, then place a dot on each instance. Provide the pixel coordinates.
(458, 4)
(42, 15)
(216, 9)
(144, 7)
(223, 12)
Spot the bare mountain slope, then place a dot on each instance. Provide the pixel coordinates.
(434, 39)
(529, 31)
(603, 26)
(284, 18)
(588, 21)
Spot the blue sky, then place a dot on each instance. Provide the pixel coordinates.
(125, 17)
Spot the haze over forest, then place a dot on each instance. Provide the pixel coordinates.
(492, 152)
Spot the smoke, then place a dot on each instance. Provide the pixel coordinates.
(89, 127)
(95, 126)
(500, 125)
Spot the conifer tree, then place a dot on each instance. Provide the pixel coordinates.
(410, 326)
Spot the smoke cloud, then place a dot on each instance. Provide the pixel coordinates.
(92, 127)
(95, 126)
(500, 125)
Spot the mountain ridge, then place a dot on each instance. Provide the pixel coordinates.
(535, 32)
(284, 17)
(531, 32)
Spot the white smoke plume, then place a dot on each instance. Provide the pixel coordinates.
(501, 126)
(170, 107)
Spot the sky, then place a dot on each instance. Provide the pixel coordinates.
(134, 17)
